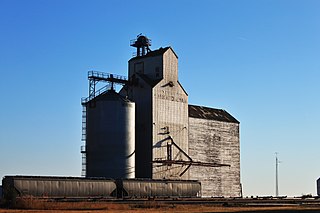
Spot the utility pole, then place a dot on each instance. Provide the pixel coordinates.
(277, 174)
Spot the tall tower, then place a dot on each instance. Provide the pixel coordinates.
(161, 111)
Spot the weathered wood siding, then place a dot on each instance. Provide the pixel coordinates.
(161, 112)
(215, 141)
(170, 119)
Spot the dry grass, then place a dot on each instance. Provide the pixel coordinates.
(31, 205)
(180, 209)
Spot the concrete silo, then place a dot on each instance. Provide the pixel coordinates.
(110, 136)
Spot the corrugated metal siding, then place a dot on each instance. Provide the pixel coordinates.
(161, 188)
(62, 187)
(110, 142)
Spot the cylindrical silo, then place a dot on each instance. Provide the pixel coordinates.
(110, 136)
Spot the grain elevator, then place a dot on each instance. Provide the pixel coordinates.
(148, 129)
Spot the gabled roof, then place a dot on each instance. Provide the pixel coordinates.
(153, 53)
(211, 114)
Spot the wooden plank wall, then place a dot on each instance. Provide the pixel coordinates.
(215, 141)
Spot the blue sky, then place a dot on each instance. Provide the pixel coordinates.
(259, 60)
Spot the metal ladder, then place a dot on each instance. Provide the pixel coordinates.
(83, 138)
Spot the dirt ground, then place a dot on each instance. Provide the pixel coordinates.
(31, 205)
(175, 209)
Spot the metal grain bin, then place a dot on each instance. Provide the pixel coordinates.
(161, 188)
(56, 187)
(110, 136)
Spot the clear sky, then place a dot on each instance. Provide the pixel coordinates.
(259, 60)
